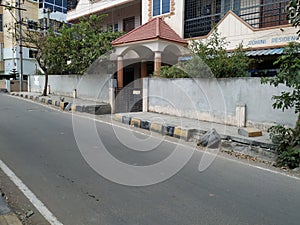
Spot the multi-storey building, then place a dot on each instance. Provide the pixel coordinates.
(11, 57)
(122, 15)
(35, 16)
(260, 26)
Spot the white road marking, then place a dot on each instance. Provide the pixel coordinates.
(30, 195)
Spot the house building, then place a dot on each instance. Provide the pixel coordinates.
(35, 14)
(259, 25)
(122, 15)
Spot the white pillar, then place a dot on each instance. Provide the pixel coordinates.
(145, 94)
(240, 113)
(157, 62)
(111, 92)
(8, 85)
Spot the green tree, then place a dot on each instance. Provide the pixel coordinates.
(288, 139)
(192, 68)
(213, 53)
(75, 48)
(293, 9)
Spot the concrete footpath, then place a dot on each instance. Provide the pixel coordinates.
(7, 217)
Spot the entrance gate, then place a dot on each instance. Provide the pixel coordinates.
(129, 98)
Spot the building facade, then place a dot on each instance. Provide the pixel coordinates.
(35, 16)
(260, 26)
(122, 15)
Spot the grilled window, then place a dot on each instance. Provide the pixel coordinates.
(202, 15)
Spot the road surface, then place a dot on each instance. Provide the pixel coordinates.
(38, 144)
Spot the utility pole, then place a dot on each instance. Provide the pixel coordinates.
(20, 45)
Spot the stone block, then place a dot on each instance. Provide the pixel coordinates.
(118, 117)
(168, 130)
(182, 133)
(63, 105)
(145, 124)
(126, 120)
(156, 127)
(210, 139)
(135, 122)
(76, 108)
(249, 132)
(68, 106)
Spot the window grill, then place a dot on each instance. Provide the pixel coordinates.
(202, 15)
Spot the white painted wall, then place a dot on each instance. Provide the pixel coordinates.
(216, 100)
(93, 87)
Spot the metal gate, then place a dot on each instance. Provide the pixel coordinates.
(129, 99)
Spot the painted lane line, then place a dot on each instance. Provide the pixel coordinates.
(30, 195)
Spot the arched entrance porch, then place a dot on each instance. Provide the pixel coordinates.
(140, 53)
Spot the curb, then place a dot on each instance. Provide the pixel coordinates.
(98, 109)
(163, 129)
(186, 134)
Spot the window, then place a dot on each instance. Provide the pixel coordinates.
(32, 53)
(202, 15)
(1, 23)
(128, 24)
(160, 7)
(116, 27)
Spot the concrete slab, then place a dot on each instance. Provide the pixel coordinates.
(249, 132)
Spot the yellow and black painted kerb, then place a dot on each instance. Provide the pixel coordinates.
(135, 122)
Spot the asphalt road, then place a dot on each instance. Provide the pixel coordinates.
(38, 144)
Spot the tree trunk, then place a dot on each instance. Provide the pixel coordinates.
(45, 85)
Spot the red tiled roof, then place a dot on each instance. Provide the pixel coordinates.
(155, 28)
